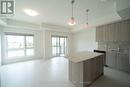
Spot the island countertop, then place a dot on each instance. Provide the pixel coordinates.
(82, 56)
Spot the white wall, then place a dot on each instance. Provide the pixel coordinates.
(42, 35)
(0, 49)
(0, 42)
(85, 40)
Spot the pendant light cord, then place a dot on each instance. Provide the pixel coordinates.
(87, 15)
(72, 6)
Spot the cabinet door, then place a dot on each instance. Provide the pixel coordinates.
(101, 34)
(97, 34)
(92, 69)
(111, 59)
(125, 30)
(123, 62)
(109, 32)
(117, 31)
(89, 71)
(105, 33)
(113, 32)
(103, 28)
(122, 31)
(129, 29)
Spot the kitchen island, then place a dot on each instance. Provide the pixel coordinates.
(85, 67)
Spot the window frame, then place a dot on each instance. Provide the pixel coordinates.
(59, 45)
(25, 48)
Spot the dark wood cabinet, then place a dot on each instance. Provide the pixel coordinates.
(92, 70)
(84, 72)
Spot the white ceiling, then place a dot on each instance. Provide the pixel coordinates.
(58, 12)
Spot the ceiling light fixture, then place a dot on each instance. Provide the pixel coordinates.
(30, 12)
(87, 17)
(72, 19)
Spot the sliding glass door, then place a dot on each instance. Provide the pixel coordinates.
(59, 45)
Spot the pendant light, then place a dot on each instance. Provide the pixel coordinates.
(87, 24)
(72, 19)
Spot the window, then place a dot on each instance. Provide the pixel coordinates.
(59, 45)
(19, 45)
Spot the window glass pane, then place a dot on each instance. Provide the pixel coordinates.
(62, 50)
(58, 51)
(15, 42)
(65, 42)
(29, 41)
(59, 46)
(57, 41)
(61, 41)
(30, 52)
(15, 53)
(53, 41)
(54, 51)
(16, 46)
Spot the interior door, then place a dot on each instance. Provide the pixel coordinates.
(59, 46)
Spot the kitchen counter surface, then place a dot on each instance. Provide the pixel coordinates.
(100, 50)
(82, 56)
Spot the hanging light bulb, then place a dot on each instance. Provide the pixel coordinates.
(87, 24)
(72, 19)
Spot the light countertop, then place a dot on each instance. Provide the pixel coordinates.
(82, 56)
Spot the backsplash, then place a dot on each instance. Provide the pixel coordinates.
(123, 47)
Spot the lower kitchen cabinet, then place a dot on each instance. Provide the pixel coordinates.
(118, 61)
(111, 59)
(93, 69)
(84, 71)
(123, 62)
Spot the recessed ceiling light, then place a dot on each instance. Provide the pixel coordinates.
(30, 12)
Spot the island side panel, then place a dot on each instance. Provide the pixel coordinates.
(76, 73)
(92, 70)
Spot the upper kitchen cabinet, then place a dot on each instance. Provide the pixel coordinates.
(100, 33)
(119, 31)
(124, 31)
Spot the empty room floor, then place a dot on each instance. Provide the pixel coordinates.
(53, 73)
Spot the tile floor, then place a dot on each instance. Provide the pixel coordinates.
(53, 73)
